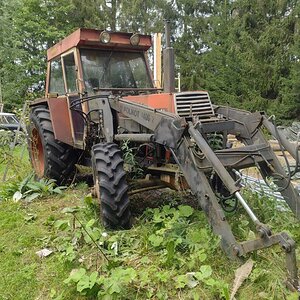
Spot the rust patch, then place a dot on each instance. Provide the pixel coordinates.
(163, 101)
(59, 112)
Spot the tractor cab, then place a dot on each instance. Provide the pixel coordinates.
(90, 62)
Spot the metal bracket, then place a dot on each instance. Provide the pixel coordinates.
(289, 247)
(169, 132)
(102, 105)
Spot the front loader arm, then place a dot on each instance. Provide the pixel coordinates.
(183, 138)
(201, 188)
(248, 131)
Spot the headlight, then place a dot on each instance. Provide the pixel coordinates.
(104, 37)
(135, 39)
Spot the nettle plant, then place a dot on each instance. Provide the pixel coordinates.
(163, 256)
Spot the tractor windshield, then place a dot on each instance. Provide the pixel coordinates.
(112, 69)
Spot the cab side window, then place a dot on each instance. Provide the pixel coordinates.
(56, 84)
(70, 72)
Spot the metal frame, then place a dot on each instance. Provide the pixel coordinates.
(83, 37)
(78, 143)
(184, 139)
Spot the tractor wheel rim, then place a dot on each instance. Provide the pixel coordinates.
(97, 188)
(37, 151)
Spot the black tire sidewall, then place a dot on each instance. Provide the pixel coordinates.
(59, 158)
(110, 217)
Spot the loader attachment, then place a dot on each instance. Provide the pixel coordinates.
(248, 131)
(187, 139)
(209, 203)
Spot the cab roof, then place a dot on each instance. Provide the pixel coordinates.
(89, 38)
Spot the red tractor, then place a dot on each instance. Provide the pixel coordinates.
(100, 93)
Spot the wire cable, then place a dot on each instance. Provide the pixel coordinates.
(290, 174)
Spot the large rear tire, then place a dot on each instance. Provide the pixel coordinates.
(49, 158)
(111, 186)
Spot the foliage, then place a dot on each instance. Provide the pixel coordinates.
(7, 137)
(252, 56)
(245, 53)
(170, 253)
(131, 164)
(29, 27)
(15, 162)
(24, 230)
(20, 181)
(170, 236)
(30, 189)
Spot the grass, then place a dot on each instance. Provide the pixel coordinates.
(150, 261)
(16, 162)
(23, 274)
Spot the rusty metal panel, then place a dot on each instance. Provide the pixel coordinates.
(118, 39)
(163, 101)
(64, 45)
(59, 112)
(90, 38)
(38, 101)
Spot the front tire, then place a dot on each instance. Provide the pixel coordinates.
(49, 158)
(111, 186)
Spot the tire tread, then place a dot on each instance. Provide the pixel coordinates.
(114, 202)
(60, 158)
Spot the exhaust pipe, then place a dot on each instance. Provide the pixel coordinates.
(169, 62)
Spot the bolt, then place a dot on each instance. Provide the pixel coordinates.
(261, 233)
(236, 250)
(286, 247)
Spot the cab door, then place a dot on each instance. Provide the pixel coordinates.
(71, 80)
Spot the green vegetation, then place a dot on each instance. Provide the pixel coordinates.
(244, 52)
(25, 229)
(30, 189)
(17, 162)
(170, 253)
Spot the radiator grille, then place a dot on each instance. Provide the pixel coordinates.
(193, 104)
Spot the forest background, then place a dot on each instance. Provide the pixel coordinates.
(246, 53)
